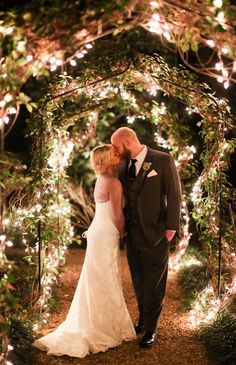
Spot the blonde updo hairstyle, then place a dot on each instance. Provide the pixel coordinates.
(100, 159)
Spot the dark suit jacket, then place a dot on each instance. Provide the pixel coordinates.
(158, 197)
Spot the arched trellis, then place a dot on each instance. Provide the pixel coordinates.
(48, 128)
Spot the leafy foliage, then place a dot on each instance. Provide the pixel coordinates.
(220, 338)
(13, 174)
(193, 277)
(67, 112)
(21, 337)
(220, 334)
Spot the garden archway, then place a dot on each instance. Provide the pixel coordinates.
(81, 99)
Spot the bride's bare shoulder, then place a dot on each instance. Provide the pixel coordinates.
(110, 180)
(114, 181)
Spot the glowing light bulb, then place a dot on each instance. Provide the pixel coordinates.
(156, 16)
(8, 98)
(53, 68)
(6, 119)
(21, 46)
(6, 221)
(73, 63)
(52, 60)
(154, 4)
(224, 50)
(130, 120)
(210, 43)
(12, 110)
(225, 73)
(218, 3)
(59, 62)
(220, 79)
(218, 66)
(226, 84)
(29, 58)
(9, 30)
(79, 55)
(167, 35)
(9, 243)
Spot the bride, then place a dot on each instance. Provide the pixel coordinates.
(98, 318)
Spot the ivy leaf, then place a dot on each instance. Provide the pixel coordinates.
(194, 46)
(4, 327)
(10, 278)
(219, 28)
(187, 36)
(23, 98)
(184, 47)
(27, 16)
(29, 107)
(117, 31)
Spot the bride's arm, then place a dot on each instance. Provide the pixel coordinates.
(116, 197)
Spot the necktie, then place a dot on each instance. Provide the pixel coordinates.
(132, 169)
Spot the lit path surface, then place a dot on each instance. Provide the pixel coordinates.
(176, 343)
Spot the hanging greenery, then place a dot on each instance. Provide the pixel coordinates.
(50, 130)
(37, 39)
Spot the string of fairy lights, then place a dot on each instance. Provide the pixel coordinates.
(55, 61)
(184, 157)
(59, 160)
(159, 24)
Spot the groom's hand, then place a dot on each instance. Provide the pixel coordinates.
(123, 241)
(169, 234)
(122, 235)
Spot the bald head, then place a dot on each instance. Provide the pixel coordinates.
(124, 133)
(126, 142)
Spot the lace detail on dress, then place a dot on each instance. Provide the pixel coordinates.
(98, 318)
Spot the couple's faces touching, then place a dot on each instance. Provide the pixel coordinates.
(114, 156)
(121, 148)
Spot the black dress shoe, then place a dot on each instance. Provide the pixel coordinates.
(139, 328)
(148, 340)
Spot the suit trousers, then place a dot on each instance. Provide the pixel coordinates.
(148, 267)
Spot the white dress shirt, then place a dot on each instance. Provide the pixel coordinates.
(140, 158)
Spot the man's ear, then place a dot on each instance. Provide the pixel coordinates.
(124, 144)
(127, 143)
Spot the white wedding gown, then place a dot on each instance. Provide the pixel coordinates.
(98, 318)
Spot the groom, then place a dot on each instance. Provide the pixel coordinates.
(153, 197)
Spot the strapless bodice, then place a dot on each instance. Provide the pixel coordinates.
(103, 208)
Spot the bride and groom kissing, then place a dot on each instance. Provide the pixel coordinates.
(137, 196)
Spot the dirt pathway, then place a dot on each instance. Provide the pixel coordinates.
(176, 344)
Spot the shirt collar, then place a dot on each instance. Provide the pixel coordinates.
(141, 156)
